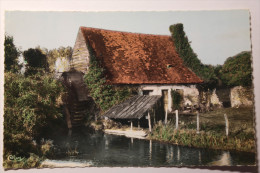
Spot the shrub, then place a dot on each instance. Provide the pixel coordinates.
(237, 70)
(30, 110)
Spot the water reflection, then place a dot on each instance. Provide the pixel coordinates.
(110, 150)
(150, 150)
(223, 160)
(199, 157)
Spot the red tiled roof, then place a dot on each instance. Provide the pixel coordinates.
(133, 58)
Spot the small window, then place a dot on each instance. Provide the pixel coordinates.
(147, 92)
(169, 65)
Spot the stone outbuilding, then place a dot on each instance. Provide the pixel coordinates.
(148, 62)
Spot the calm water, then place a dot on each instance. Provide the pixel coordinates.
(102, 150)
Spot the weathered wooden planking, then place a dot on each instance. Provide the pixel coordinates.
(129, 105)
(133, 108)
(124, 107)
(141, 106)
(139, 100)
(147, 107)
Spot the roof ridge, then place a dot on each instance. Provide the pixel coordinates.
(126, 32)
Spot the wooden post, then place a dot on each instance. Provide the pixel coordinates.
(227, 123)
(131, 125)
(149, 122)
(166, 114)
(199, 156)
(138, 125)
(198, 122)
(177, 119)
(150, 149)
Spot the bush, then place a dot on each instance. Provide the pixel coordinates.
(30, 111)
(237, 70)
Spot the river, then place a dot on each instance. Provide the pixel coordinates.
(104, 150)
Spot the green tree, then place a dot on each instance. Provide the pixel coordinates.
(11, 54)
(237, 70)
(190, 59)
(35, 59)
(31, 110)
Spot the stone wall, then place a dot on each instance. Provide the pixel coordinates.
(241, 96)
(214, 99)
(190, 93)
(234, 97)
(80, 55)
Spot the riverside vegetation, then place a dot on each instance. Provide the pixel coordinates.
(32, 108)
(212, 133)
(31, 113)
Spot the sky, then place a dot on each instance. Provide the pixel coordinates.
(214, 35)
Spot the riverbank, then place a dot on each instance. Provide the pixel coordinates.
(167, 134)
(212, 134)
(203, 140)
(212, 130)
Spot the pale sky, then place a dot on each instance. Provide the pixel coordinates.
(214, 35)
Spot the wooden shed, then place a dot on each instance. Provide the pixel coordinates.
(140, 110)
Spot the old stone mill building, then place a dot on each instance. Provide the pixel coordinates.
(148, 62)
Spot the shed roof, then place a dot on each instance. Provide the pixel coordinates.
(134, 58)
(133, 108)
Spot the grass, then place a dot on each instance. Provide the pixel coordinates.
(212, 130)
